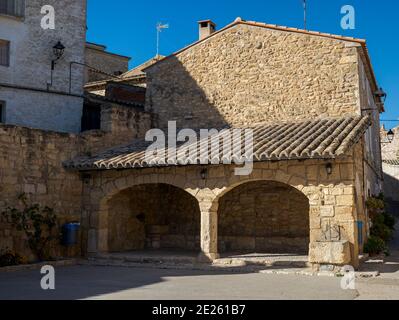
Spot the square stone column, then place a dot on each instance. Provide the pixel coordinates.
(209, 236)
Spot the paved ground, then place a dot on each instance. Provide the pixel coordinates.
(93, 282)
(89, 282)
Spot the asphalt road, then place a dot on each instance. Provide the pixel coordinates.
(109, 283)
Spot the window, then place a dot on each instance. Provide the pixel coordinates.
(4, 53)
(14, 8)
(2, 112)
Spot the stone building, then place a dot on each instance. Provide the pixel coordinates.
(310, 179)
(307, 98)
(390, 158)
(135, 77)
(109, 63)
(34, 92)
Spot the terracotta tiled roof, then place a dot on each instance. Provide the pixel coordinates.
(95, 97)
(139, 69)
(327, 138)
(391, 162)
(140, 78)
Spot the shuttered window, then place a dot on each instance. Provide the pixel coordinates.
(14, 8)
(4, 53)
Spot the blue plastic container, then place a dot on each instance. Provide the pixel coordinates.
(70, 234)
(360, 232)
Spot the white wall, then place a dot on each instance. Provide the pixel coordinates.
(30, 66)
(42, 110)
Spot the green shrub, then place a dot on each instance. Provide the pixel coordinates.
(389, 221)
(8, 258)
(39, 225)
(375, 245)
(383, 226)
(380, 229)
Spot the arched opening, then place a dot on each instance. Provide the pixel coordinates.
(153, 216)
(264, 217)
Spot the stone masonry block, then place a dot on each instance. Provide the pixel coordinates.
(336, 253)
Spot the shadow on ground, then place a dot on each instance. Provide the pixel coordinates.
(109, 283)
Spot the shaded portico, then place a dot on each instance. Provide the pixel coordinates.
(322, 190)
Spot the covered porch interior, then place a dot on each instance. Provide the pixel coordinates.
(256, 223)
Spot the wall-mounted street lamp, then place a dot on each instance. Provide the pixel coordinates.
(390, 137)
(58, 51)
(329, 168)
(381, 94)
(204, 174)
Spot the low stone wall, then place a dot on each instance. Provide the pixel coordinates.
(31, 163)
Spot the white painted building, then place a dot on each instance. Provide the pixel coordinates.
(31, 93)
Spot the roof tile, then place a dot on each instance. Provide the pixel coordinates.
(327, 138)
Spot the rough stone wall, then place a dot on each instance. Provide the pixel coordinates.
(31, 162)
(30, 66)
(264, 217)
(126, 232)
(105, 62)
(127, 123)
(372, 143)
(171, 214)
(249, 74)
(365, 184)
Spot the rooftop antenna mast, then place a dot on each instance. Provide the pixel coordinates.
(160, 26)
(304, 14)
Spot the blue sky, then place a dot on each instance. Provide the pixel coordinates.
(128, 27)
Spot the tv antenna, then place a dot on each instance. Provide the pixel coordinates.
(304, 14)
(160, 27)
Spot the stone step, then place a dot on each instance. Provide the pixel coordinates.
(171, 260)
(234, 263)
(261, 262)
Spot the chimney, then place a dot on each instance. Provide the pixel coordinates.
(206, 28)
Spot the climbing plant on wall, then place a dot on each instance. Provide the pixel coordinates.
(38, 223)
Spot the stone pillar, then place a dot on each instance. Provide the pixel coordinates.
(95, 222)
(209, 225)
(209, 236)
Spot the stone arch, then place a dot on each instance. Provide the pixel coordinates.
(119, 190)
(295, 229)
(300, 186)
(114, 186)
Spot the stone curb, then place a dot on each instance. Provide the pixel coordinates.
(35, 266)
(216, 268)
(194, 267)
(226, 269)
